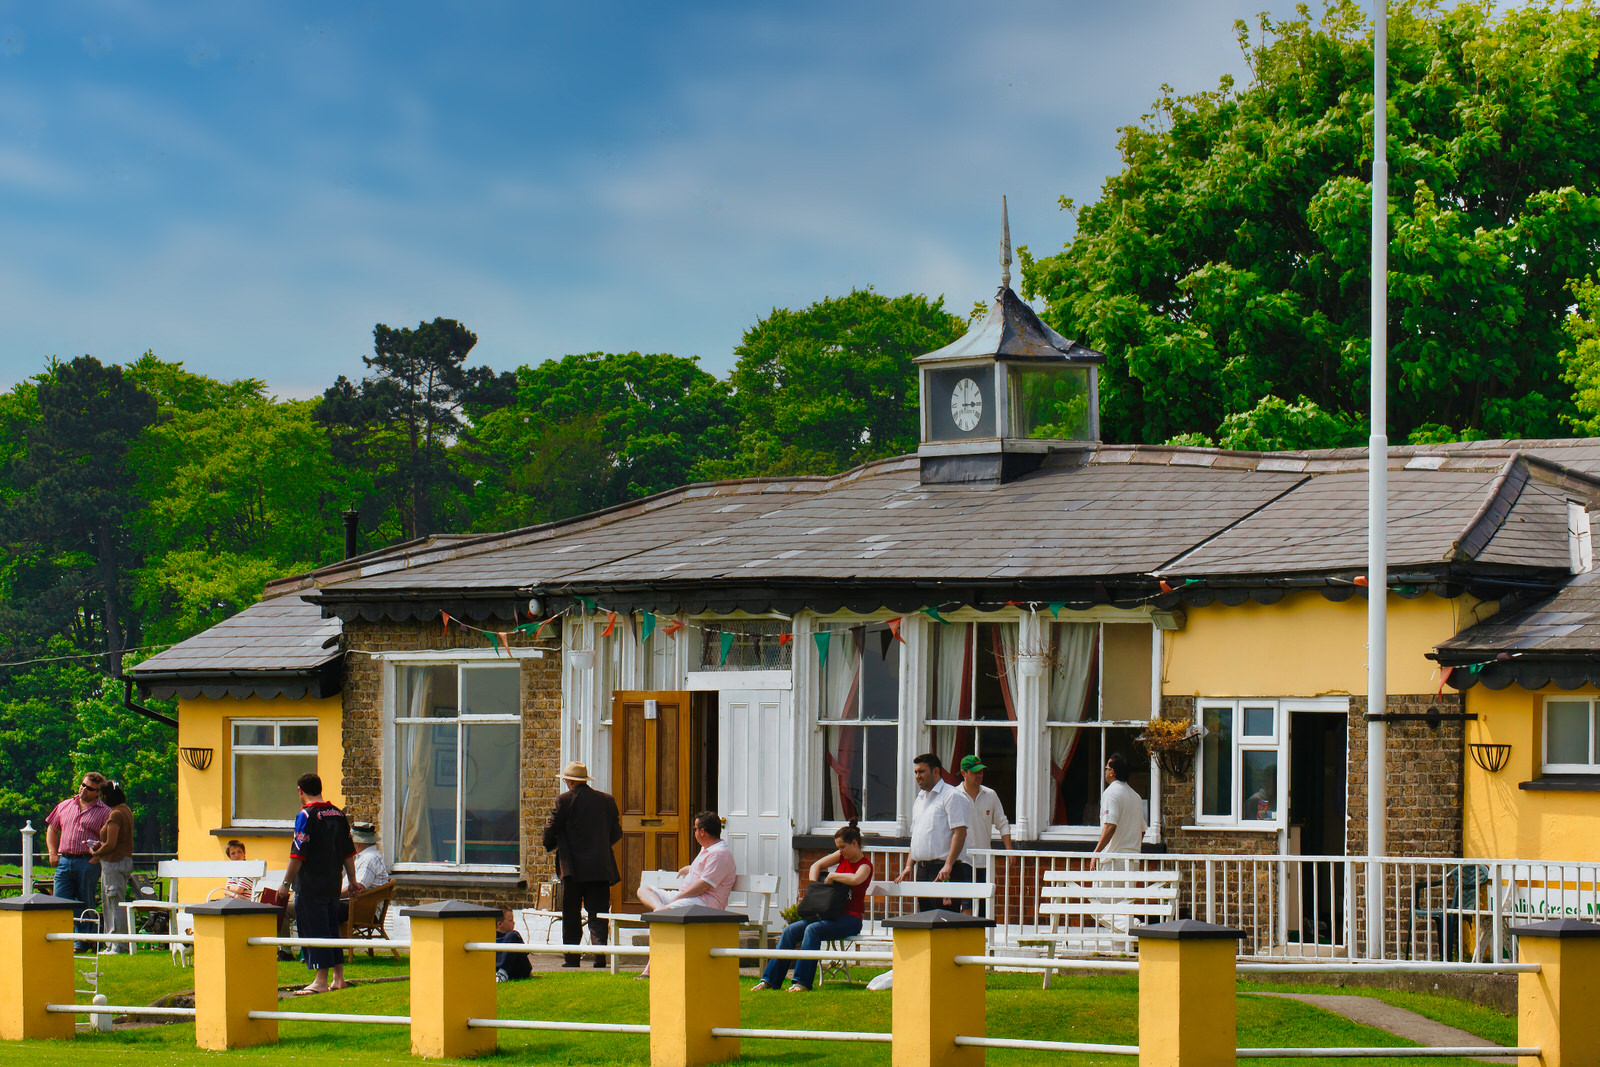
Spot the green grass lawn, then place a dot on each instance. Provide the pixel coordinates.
(1091, 1009)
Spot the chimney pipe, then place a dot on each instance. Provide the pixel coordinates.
(352, 521)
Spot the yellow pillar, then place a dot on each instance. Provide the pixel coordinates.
(1556, 1007)
(232, 977)
(34, 972)
(1187, 1014)
(691, 992)
(935, 1000)
(450, 985)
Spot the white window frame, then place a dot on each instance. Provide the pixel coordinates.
(1546, 767)
(1067, 831)
(463, 661)
(234, 750)
(1282, 708)
(804, 658)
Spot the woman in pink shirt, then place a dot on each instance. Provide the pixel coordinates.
(854, 870)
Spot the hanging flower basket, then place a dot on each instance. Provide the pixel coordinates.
(1173, 743)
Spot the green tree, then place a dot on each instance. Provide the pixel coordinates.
(589, 431)
(831, 386)
(66, 523)
(1228, 261)
(399, 424)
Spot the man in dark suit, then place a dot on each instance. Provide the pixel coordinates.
(581, 832)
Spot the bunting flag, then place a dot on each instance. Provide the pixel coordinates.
(1361, 579)
(672, 628)
(894, 628)
(822, 638)
(1165, 588)
(587, 602)
(633, 626)
(932, 613)
(611, 624)
(784, 639)
(1444, 676)
(494, 639)
(649, 625)
(726, 638)
(1055, 607)
(445, 616)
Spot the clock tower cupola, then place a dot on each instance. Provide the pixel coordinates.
(1010, 391)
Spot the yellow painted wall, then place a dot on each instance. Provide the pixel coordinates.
(1505, 822)
(205, 797)
(1306, 645)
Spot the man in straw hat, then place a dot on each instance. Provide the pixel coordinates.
(580, 832)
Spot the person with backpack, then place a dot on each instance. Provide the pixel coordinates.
(831, 910)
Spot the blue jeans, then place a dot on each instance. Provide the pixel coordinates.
(78, 879)
(808, 936)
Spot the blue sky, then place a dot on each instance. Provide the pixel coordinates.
(248, 187)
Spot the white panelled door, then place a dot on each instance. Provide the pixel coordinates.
(755, 768)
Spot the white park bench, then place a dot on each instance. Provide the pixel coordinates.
(172, 871)
(1095, 911)
(757, 890)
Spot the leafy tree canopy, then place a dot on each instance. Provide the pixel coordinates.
(833, 385)
(1228, 261)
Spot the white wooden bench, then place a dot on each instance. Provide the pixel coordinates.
(1095, 911)
(874, 933)
(172, 871)
(756, 889)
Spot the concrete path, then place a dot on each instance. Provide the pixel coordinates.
(1370, 1011)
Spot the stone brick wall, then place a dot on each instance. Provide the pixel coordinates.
(540, 743)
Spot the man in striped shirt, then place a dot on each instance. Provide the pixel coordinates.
(72, 831)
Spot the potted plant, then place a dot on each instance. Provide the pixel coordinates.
(1173, 742)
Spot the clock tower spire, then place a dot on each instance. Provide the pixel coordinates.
(1007, 394)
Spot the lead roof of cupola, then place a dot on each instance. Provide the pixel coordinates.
(1011, 330)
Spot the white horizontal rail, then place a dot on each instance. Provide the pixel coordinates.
(329, 942)
(155, 939)
(1047, 963)
(1387, 967)
(565, 950)
(1047, 1046)
(1478, 1051)
(544, 1024)
(801, 954)
(332, 1017)
(802, 1035)
(116, 1009)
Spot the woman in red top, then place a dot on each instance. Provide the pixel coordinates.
(854, 870)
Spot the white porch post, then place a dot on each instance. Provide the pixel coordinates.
(1377, 491)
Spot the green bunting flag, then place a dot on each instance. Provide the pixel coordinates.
(822, 637)
(1055, 607)
(588, 603)
(933, 613)
(648, 626)
(494, 639)
(726, 638)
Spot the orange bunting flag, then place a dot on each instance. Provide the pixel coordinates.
(447, 620)
(894, 628)
(671, 629)
(1361, 579)
(784, 639)
(1166, 587)
(611, 624)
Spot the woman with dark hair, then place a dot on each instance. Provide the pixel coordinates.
(853, 870)
(114, 854)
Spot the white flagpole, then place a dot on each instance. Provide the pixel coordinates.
(1377, 490)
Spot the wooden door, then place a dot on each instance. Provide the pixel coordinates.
(652, 770)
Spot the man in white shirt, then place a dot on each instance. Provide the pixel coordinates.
(988, 815)
(371, 868)
(939, 818)
(1121, 810)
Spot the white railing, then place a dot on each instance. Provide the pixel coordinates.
(1297, 907)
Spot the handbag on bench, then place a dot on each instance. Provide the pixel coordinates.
(824, 901)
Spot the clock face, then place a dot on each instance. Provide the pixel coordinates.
(966, 404)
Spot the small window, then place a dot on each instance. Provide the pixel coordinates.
(1238, 779)
(269, 756)
(458, 765)
(745, 645)
(1569, 736)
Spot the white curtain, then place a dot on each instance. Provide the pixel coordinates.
(1069, 687)
(840, 678)
(952, 691)
(416, 820)
(1008, 666)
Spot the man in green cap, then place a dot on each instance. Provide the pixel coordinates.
(988, 815)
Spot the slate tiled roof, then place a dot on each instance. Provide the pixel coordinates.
(1553, 642)
(283, 636)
